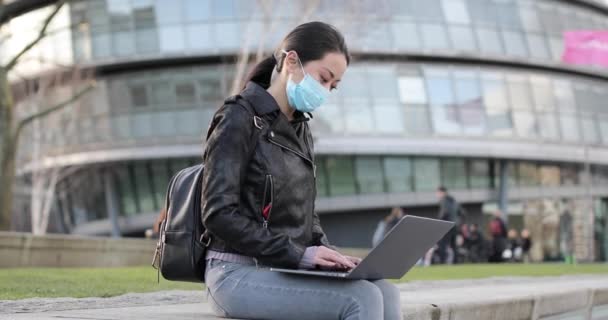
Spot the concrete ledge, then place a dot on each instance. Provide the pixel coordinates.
(25, 250)
(551, 298)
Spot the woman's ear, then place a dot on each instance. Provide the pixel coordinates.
(290, 63)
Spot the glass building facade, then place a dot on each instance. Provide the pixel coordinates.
(441, 92)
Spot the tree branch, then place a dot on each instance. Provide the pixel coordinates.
(41, 35)
(50, 110)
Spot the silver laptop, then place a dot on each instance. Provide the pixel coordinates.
(395, 255)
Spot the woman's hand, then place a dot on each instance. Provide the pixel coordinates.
(354, 260)
(327, 258)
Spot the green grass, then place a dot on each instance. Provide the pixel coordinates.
(107, 282)
(85, 282)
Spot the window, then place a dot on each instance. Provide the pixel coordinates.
(600, 175)
(161, 93)
(590, 132)
(508, 15)
(389, 118)
(369, 175)
(199, 36)
(519, 92)
(482, 12)
(455, 11)
(570, 175)
(426, 174)
(446, 119)
(494, 91)
(383, 84)
(529, 17)
(512, 173)
(124, 185)
(462, 38)
(168, 12)
(439, 87)
(417, 121)
(354, 86)
(341, 177)
(411, 90)
(528, 174)
(102, 46)
(185, 93)
(525, 124)
(329, 119)
(189, 122)
(143, 187)
(322, 190)
(398, 174)
(542, 93)
(197, 10)
(229, 37)
(538, 46)
(603, 128)
(500, 122)
(406, 35)
(516, 43)
(172, 39)
(564, 95)
(224, 9)
(454, 173)
(489, 41)
(427, 10)
(549, 175)
(479, 174)
(548, 125)
(469, 103)
(141, 125)
(434, 36)
(139, 96)
(569, 127)
(360, 118)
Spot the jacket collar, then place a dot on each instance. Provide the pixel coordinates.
(283, 130)
(263, 102)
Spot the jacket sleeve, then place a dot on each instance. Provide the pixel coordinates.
(226, 156)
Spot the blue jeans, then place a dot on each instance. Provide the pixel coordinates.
(246, 291)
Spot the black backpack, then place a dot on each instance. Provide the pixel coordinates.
(183, 240)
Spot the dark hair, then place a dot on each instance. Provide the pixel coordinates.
(310, 40)
(442, 189)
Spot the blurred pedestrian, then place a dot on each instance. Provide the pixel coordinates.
(475, 244)
(526, 244)
(385, 225)
(513, 251)
(449, 210)
(566, 237)
(498, 231)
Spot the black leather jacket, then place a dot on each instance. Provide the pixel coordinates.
(281, 172)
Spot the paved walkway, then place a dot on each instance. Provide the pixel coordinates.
(547, 298)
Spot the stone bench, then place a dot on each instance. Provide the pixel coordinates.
(545, 298)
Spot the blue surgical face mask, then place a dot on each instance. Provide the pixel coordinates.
(308, 94)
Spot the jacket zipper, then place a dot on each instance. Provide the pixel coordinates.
(269, 184)
(314, 167)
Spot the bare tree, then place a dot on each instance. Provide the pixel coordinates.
(12, 126)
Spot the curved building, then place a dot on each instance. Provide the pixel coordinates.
(469, 94)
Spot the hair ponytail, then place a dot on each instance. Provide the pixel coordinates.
(262, 72)
(310, 40)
